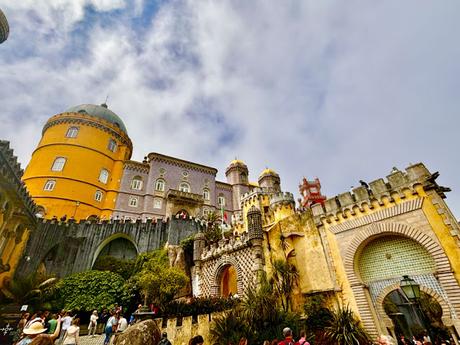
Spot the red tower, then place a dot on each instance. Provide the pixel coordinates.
(311, 193)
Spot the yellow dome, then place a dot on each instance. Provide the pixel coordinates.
(268, 172)
(237, 161)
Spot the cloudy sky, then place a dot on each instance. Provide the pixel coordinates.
(339, 90)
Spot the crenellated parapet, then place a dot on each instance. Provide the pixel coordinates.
(282, 199)
(225, 246)
(399, 185)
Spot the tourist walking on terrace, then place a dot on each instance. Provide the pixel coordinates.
(303, 338)
(52, 324)
(93, 323)
(72, 336)
(110, 328)
(34, 334)
(122, 323)
(288, 338)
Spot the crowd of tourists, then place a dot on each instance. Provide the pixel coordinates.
(45, 328)
(424, 339)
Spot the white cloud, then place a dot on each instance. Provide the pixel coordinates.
(343, 92)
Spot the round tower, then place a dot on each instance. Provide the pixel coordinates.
(4, 27)
(282, 205)
(270, 180)
(237, 175)
(75, 170)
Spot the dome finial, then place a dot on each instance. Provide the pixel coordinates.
(105, 103)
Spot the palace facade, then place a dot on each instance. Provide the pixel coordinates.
(352, 249)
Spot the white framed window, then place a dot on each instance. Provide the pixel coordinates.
(160, 185)
(72, 132)
(221, 200)
(185, 173)
(206, 211)
(184, 187)
(206, 194)
(136, 183)
(112, 145)
(313, 189)
(98, 196)
(104, 176)
(157, 203)
(49, 185)
(58, 164)
(133, 201)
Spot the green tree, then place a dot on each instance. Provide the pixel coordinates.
(92, 290)
(213, 230)
(125, 268)
(345, 329)
(157, 281)
(257, 318)
(284, 279)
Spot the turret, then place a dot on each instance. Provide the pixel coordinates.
(254, 223)
(270, 180)
(237, 175)
(282, 205)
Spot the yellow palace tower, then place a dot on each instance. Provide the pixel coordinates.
(76, 169)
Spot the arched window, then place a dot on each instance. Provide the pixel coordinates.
(72, 132)
(221, 200)
(206, 194)
(184, 187)
(160, 185)
(104, 176)
(136, 183)
(58, 164)
(49, 185)
(133, 201)
(98, 196)
(112, 145)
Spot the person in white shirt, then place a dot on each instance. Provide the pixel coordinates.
(93, 323)
(122, 324)
(72, 337)
(66, 322)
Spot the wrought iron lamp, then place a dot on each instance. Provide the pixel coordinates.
(410, 288)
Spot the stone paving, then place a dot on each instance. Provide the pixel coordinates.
(89, 340)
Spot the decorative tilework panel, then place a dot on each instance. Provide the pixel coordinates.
(393, 256)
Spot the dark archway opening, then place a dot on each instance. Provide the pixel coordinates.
(415, 318)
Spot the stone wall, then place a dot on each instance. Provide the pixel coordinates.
(69, 247)
(180, 331)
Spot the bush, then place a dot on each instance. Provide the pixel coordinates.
(125, 268)
(92, 290)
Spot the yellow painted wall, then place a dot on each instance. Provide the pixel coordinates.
(442, 231)
(86, 155)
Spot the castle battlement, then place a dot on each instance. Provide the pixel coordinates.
(284, 198)
(225, 246)
(396, 183)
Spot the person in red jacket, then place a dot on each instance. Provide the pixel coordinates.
(288, 339)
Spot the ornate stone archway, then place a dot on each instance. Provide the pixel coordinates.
(446, 311)
(222, 264)
(363, 299)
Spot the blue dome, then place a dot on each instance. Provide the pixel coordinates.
(100, 111)
(4, 27)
